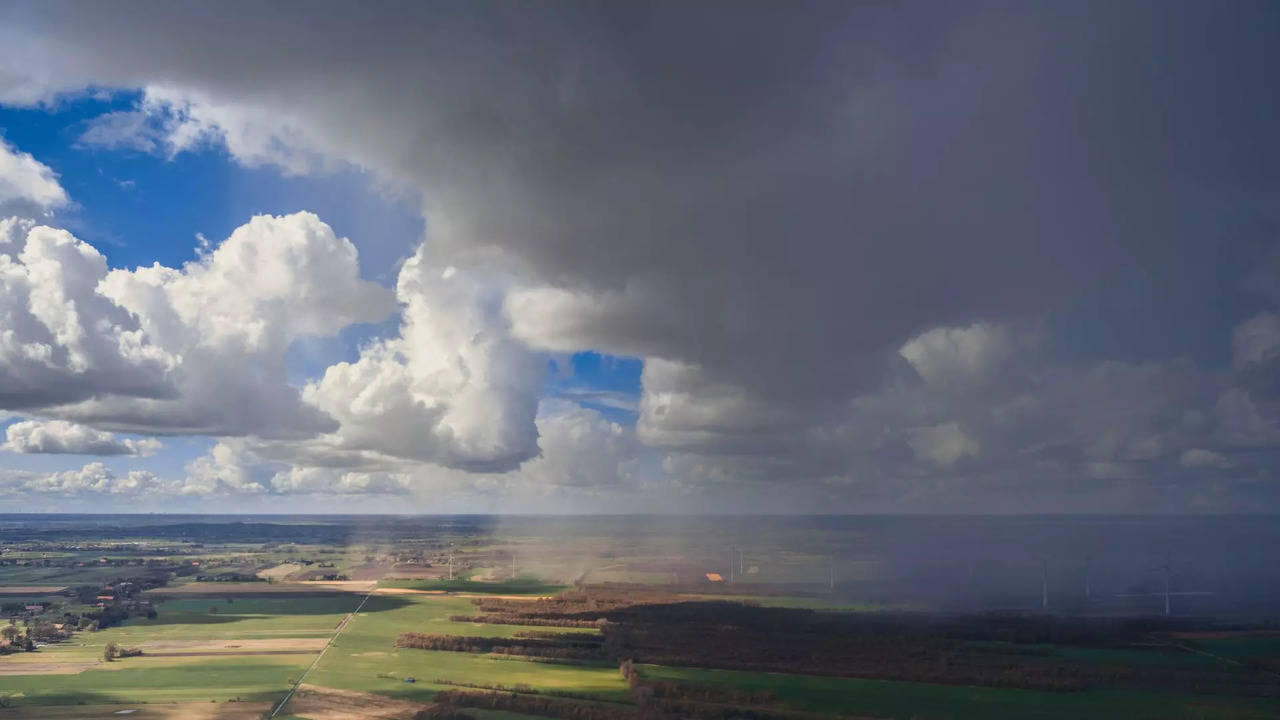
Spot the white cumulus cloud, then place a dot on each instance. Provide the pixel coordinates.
(61, 340)
(328, 481)
(453, 388)
(225, 469)
(1255, 343)
(1201, 458)
(230, 317)
(943, 444)
(959, 356)
(94, 478)
(26, 184)
(59, 436)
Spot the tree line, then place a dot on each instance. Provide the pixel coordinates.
(530, 647)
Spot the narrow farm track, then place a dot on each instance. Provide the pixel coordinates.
(337, 631)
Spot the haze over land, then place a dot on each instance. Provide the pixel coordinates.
(328, 617)
(661, 257)
(639, 360)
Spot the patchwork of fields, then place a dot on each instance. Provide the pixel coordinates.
(232, 629)
(208, 649)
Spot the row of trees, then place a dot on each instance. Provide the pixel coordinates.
(737, 636)
(585, 604)
(511, 619)
(903, 647)
(530, 648)
(114, 650)
(448, 702)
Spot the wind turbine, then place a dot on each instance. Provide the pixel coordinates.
(1088, 587)
(1044, 583)
(1041, 555)
(1167, 572)
(1168, 593)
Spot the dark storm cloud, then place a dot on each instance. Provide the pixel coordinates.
(765, 199)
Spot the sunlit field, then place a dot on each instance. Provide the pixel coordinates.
(249, 627)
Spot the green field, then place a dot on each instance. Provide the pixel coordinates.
(888, 699)
(202, 677)
(87, 575)
(219, 641)
(365, 656)
(1239, 648)
(258, 678)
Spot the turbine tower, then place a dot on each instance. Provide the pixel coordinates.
(1088, 578)
(1044, 583)
(1167, 572)
(1168, 592)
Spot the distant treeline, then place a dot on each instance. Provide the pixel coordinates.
(915, 648)
(583, 604)
(531, 647)
(447, 703)
(508, 619)
(996, 650)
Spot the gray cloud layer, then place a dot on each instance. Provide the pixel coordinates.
(795, 212)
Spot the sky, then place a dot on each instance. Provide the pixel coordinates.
(732, 257)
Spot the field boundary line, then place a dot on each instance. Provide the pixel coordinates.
(337, 631)
(1225, 659)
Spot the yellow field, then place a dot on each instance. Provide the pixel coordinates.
(275, 588)
(279, 572)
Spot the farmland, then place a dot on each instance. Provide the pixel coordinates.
(226, 620)
(879, 698)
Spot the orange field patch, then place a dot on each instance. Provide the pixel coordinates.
(150, 711)
(322, 703)
(490, 596)
(182, 647)
(31, 589)
(44, 668)
(406, 591)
